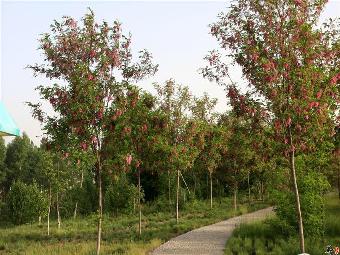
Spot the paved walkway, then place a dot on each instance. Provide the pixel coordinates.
(210, 239)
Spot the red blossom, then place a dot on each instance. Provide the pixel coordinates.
(83, 146)
(90, 77)
(128, 159)
(334, 79)
(298, 127)
(255, 57)
(268, 66)
(127, 130)
(100, 114)
(277, 125)
(144, 128)
(92, 54)
(72, 23)
(319, 94)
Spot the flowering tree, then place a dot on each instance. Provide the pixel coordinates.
(211, 134)
(292, 66)
(91, 64)
(175, 101)
(137, 136)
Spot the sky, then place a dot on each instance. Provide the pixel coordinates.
(175, 32)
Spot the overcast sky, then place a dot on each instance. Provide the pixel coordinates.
(176, 33)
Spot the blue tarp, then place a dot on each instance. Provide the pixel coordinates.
(7, 124)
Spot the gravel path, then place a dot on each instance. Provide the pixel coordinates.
(210, 239)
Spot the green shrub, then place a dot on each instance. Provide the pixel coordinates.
(121, 196)
(25, 203)
(312, 187)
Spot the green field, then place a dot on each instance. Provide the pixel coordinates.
(119, 233)
(268, 238)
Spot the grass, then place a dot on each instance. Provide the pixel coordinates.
(119, 233)
(268, 238)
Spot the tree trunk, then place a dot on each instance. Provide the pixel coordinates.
(58, 212)
(49, 209)
(81, 186)
(235, 199)
(75, 210)
(139, 205)
(177, 195)
(134, 205)
(169, 188)
(207, 186)
(211, 196)
(339, 181)
(40, 215)
(248, 187)
(194, 177)
(297, 197)
(100, 204)
(235, 188)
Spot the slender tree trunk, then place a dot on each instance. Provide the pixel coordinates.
(297, 197)
(339, 181)
(40, 215)
(211, 195)
(235, 199)
(207, 186)
(139, 205)
(177, 195)
(75, 210)
(81, 186)
(134, 205)
(194, 177)
(58, 211)
(100, 205)
(235, 188)
(248, 187)
(169, 187)
(49, 209)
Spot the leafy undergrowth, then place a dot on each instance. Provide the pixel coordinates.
(269, 238)
(119, 233)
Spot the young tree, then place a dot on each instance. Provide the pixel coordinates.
(210, 155)
(291, 63)
(17, 161)
(25, 202)
(238, 153)
(2, 166)
(138, 136)
(48, 177)
(175, 102)
(92, 64)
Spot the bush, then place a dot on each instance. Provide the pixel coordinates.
(121, 196)
(25, 203)
(312, 186)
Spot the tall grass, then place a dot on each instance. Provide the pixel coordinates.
(269, 237)
(119, 233)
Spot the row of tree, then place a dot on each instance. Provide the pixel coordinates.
(279, 135)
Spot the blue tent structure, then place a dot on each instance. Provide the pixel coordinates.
(7, 124)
